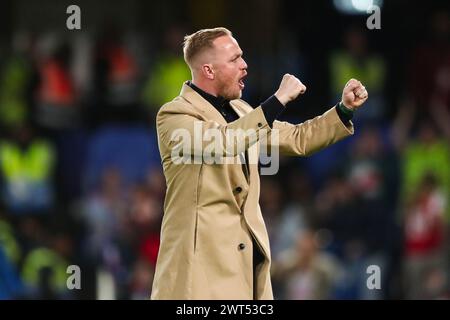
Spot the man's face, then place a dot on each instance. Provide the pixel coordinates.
(229, 68)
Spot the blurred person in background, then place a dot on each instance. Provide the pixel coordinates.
(214, 243)
(114, 95)
(373, 172)
(104, 212)
(423, 149)
(272, 200)
(307, 272)
(140, 280)
(140, 230)
(296, 213)
(336, 210)
(56, 97)
(17, 78)
(425, 233)
(122, 228)
(11, 285)
(168, 70)
(142, 238)
(337, 213)
(44, 267)
(357, 60)
(27, 164)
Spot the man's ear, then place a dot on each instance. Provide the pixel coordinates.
(208, 71)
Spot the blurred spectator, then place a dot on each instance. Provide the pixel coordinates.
(122, 229)
(8, 243)
(16, 81)
(372, 173)
(141, 230)
(141, 280)
(11, 286)
(168, 72)
(336, 209)
(357, 61)
(425, 233)
(426, 152)
(44, 269)
(26, 169)
(103, 212)
(56, 96)
(307, 272)
(144, 210)
(115, 80)
(339, 213)
(296, 215)
(271, 202)
(157, 183)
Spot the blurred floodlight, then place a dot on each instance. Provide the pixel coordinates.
(356, 6)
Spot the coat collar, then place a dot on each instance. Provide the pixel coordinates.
(217, 102)
(204, 107)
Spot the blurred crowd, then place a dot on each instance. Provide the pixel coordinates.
(81, 181)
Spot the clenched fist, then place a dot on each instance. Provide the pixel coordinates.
(290, 88)
(354, 94)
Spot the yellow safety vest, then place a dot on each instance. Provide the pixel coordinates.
(34, 163)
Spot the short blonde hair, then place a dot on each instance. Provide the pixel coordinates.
(200, 40)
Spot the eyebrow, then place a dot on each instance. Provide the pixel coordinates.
(237, 55)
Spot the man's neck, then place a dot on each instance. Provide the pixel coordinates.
(205, 87)
(215, 101)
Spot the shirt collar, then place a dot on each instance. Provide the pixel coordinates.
(217, 102)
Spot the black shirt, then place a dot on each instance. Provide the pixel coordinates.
(271, 107)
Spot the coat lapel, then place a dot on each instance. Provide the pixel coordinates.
(201, 105)
(235, 105)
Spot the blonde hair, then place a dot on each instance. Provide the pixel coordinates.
(200, 40)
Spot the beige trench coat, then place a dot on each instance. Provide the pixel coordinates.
(211, 211)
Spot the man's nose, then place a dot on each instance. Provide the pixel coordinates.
(244, 65)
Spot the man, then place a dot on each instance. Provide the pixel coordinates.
(214, 243)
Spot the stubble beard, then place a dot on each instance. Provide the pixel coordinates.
(227, 91)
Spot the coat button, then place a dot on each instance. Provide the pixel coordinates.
(241, 246)
(259, 125)
(238, 190)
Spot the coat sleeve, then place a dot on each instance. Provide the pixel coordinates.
(310, 136)
(185, 134)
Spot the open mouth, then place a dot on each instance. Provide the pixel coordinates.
(241, 82)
